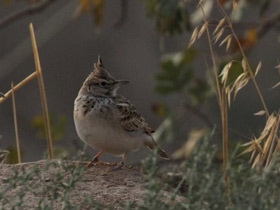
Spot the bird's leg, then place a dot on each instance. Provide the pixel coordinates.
(121, 165)
(95, 159)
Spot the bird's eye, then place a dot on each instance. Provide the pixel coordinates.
(102, 83)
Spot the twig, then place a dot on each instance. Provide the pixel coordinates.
(263, 28)
(121, 20)
(268, 23)
(224, 115)
(5, 96)
(36, 7)
(42, 93)
(16, 123)
(218, 88)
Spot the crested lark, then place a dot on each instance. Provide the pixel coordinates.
(107, 121)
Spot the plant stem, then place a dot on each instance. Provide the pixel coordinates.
(42, 93)
(15, 123)
(18, 86)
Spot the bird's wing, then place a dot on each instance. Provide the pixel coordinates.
(129, 118)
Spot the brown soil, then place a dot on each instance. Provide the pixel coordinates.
(102, 182)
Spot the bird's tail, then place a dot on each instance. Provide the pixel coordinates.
(160, 152)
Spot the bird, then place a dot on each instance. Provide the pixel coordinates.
(107, 121)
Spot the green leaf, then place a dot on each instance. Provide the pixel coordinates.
(171, 16)
(98, 11)
(199, 91)
(12, 157)
(164, 90)
(58, 125)
(235, 70)
(6, 2)
(175, 74)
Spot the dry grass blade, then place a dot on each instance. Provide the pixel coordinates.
(244, 65)
(250, 72)
(278, 68)
(257, 161)
(274, 140)
(225, 72)
(247, 150)
(42, 92)
(225, 40)
(200, 3)
(228, 93)
(240, 83)
(269, 137)
(260, 113)
(275, 86)
(258, 147)
(219, 35)
(193, 37)
(202, 30)
(228, 43)
(16, 123)
(252, 146)
(277, 131)
(234, 5)
(269, 123)
(252, 156)
(220, 24)
(258, 68)
(188, 148)
(268, 144)
(224, 116)
(18, 86)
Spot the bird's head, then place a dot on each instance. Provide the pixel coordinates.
(100, 82)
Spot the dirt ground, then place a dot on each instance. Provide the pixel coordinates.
(102, 182)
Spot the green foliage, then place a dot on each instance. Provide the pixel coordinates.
(52, 189)
(176, 73)
(6, 2)
(199, 183)
(196, 184)
(98, 11)
(12, 156)
(3, 154)
(171, 16)
(235, 70)
(60, 152)
(177, 77)
(199, 91)
(58, 125)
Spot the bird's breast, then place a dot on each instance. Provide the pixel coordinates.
(98, 125)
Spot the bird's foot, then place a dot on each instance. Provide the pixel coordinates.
(97, 162)
(119, 166)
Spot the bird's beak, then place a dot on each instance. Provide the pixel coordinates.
(122, 82)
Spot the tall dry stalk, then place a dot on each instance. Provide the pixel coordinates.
(17, 87)
(263, 148)
(42, 92)
(221, 93)
(16, 123)
(249, 69)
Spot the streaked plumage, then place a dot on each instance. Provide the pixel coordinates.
(107, 121)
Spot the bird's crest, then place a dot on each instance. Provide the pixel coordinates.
(99, 71)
